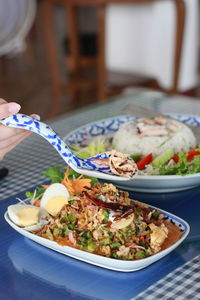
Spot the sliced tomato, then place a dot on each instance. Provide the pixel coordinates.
(175, 158)
(191, 155)
(144, 161)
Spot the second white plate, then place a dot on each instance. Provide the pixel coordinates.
(150, 184)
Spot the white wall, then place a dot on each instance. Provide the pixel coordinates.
(140, 39)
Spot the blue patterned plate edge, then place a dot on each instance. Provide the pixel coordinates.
(147, 183)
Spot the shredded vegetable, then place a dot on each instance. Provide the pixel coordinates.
(166, 163)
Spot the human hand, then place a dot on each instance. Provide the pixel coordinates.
(10, 137)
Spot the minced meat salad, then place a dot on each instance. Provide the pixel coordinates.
(103, 220)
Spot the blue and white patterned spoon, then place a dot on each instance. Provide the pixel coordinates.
(82, 166)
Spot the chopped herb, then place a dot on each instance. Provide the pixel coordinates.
(57, 231)
(55, 174)
(155, 215)
(105, 241)
(114, 255)
(106, 216)
(140, 254)
(115, 245)
(37, 194)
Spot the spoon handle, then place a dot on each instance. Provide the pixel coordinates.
(28, 123)
(83, 166)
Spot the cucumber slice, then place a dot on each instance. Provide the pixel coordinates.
(136, 157)
(83, 154)
(92, 149)
(162, 158)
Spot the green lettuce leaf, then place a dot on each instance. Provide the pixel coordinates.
(183, 167)
(37, 194)
(55, 174)
(92, 149)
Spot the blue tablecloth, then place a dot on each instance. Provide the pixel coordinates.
(30, 271)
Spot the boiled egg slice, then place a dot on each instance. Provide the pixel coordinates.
(23, 215)
(54, 198)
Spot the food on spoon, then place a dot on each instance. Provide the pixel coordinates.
(120, 164)
(154, 136)
(103, 220)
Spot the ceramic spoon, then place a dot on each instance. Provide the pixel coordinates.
(82, 166)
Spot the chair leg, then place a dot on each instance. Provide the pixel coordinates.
(71, 13)
(47, 16)
(3, 69)
(101, 63)
(180, 24)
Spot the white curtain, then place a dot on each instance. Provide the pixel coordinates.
(16, 19)
(141, 38)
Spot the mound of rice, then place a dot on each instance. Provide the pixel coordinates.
(154, 136)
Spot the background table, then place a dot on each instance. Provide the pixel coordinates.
(30, 271)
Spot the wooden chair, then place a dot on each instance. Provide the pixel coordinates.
(75, 62)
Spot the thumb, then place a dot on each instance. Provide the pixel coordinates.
(7, 109)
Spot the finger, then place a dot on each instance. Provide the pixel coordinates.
(12, 141)
(12, 145)
(7, 109)
(35, 116)
(14, 138)
(2, 101)
(7, 132)
(15, 143)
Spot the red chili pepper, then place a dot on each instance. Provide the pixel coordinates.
(118, 207)
(108, 224)
(144, 161)
(125, 210)
(191, 155)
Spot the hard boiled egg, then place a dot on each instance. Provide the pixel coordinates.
(23, 215)
(54, 198)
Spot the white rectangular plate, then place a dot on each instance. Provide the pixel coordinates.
(105, 262)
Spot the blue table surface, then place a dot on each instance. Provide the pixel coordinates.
(31, 271)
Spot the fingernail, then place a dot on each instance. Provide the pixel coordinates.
(13, 108)
(37, 117)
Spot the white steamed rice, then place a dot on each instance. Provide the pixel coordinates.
(128, 140)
